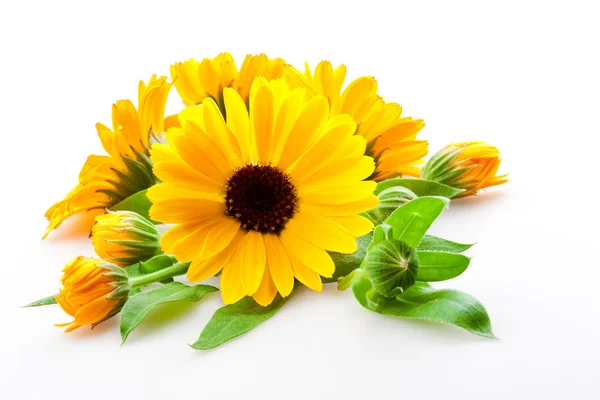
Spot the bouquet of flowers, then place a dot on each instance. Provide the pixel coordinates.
(271, 179)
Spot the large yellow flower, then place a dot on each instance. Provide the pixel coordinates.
(104, 181)
(391, 139)
(196, 81)
(262, 195)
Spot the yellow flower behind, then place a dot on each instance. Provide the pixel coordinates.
(264, 195)
(391, 139)
(91, 292)
(104, 181)
(471, 166)
(125, 238)
(197, 80)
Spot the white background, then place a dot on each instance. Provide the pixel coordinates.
(523, 75)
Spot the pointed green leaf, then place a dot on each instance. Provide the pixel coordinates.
(411, 221)
(137, 202)
(46, 301)
(423, 302)
(139, 305)
(236, 319)
(420, 187)
(435, 266)
(434, 243)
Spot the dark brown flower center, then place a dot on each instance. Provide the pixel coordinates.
(261, 197)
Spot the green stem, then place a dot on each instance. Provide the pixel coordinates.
(160, 275)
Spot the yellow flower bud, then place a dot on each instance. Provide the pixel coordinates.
(92, 291)
(125, 238)
(471, 166)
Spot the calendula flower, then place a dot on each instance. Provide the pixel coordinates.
(125, 238)
(263, 195)
(92, 291)
(197, 80)
(104, 181)
(471, 166)
(391, 138)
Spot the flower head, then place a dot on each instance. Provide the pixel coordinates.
(92, 291)
(391, 139)
(263, 195)
(125, 238)
(104, 181)
(471, 166)
(197, 80)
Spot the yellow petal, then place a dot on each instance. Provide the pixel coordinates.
(357, 225)
(286, 118)
(336, 131)
(279, 264)
(232, 289)
(266, 292)
(262, 121)
(254, 258)
(356, 191)
(307, 253)
(307, 128)
(305, 275)
(340, 210)
(201, 269)
(322, 232)
(338, 174)
(238, 122)
(223, 139)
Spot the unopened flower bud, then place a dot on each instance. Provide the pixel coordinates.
(471, 166)
(125, 238)
(92, 291)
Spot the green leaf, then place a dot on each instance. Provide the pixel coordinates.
(411, 221)
(391, 265)
(346, 263)
(46, 301)
(138, 306)
(435, 266)
(420, 187)
(137, 202)
(236, 319)
(434, 243)
(423, 302)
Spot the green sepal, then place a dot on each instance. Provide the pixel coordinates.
(46, 301)
(423, 302)
(137, 202)
(435, 266)
(140, 305)
(236, 319)
(420, 187)
(439, 162)
(120, 292)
